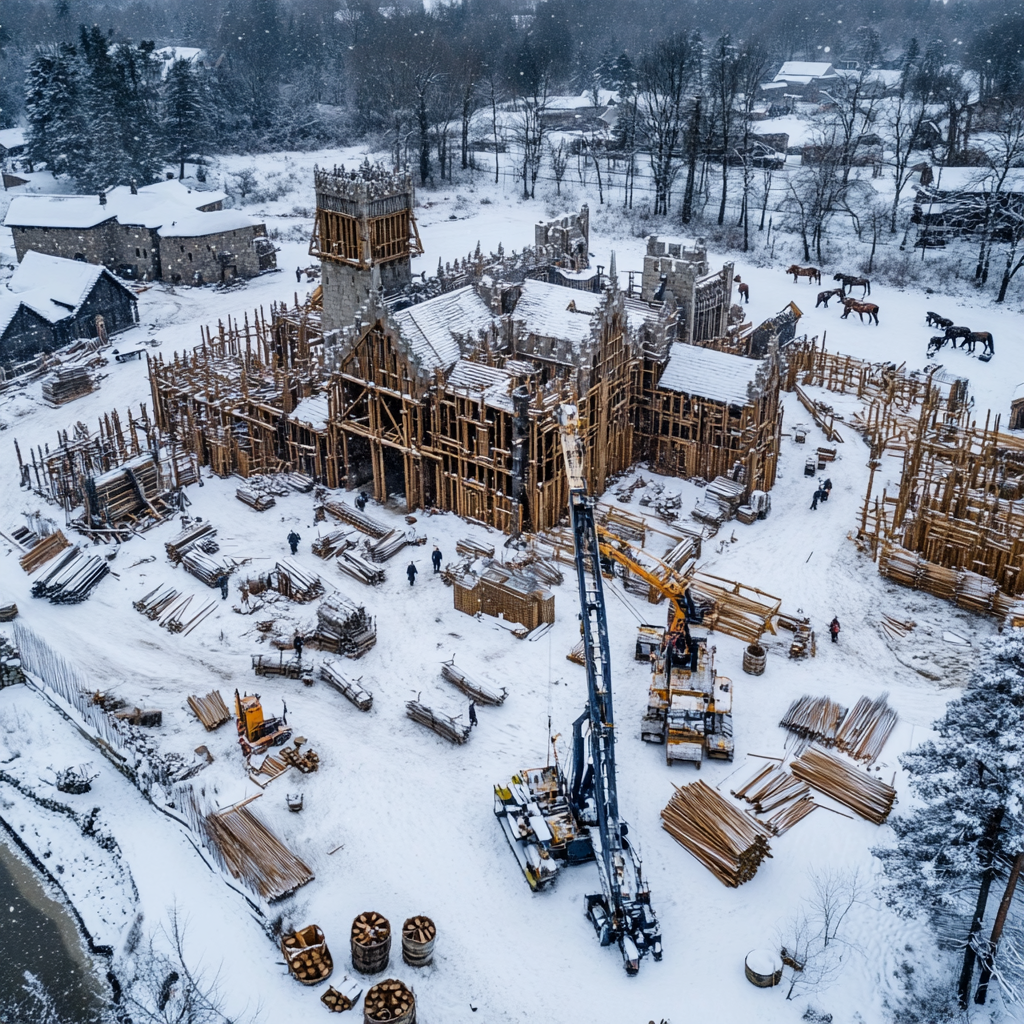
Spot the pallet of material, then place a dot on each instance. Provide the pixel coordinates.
(388, 546)
(253, 853)
(862, 793)
(259, 502)
(177, 547)
(352, 691)
(814, 718)
(71, 580)
(299, 482)
(343, 626)
(205, 569)
(728, 493)
(444, 725)
(359, 569)
(8, 611)
(66, 384)
(481, 692)
(726, 841)
(43, 550)
(360, 520)
(866, 728)
(264, 665)
(210, 710)
(474, 549)
(297, 583)
(329, 544)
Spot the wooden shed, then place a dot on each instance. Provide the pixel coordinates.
(500, 591)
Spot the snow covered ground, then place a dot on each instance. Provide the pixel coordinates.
(413, 816)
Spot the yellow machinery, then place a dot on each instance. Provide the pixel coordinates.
(257, 734)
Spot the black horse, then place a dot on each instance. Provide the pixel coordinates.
(935, 343)
(954, 333)
(851, 281)
(934, 320)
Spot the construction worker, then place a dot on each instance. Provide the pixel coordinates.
(362, 500)
(819, 495)
(411, 573)
(826, 489)
(472, 714)
(298, 275)
(435, 557)
(833, 629)
(293, 541)
(223, 583)
(298, 642)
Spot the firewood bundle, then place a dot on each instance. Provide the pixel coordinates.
(259, 502)
(205, 569)
(333, 543)
(306, 953)
(480, 691)
(295, 582)
(418, 934)
(474, 549)
(867, 796)
(340, 1000)
(814, 718)
(66, 384)
(43, 550)
(306, 763)
(419, 929)
(390, 1001)
(343, 626)
(360, 520)
(330, 674)
(359, 569)
(210, 710)
(370, 929)
(866, 729)
(72, 578)
(444, 725)
(177, 547)
(388, 546)
(726, 841)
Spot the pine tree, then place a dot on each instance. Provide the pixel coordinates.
(185, 124)
(950, 851)
(57, 124)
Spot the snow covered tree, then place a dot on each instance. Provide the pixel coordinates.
(185, 118)
(951, 849)
(56, 115)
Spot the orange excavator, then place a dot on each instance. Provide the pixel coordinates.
(257, 734)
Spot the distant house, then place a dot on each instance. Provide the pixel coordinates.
(961, 201)
(580, 112)
(51, 302)
(123, 228)
(12, 143)
(806, 79)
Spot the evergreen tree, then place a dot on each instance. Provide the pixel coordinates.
(949, 851)
(186, 130)
(57, 124)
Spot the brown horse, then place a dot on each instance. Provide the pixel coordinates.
(823, 297)
(813, 274)
(860, 308)
(744, 289)
(851, 281)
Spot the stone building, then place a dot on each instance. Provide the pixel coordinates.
(203, 248)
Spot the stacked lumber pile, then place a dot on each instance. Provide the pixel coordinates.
(65, 384)
(156, 602)
(727, 842)
(360, 520)
(177, 547)
(360, 569)
(127, 491)
(736, 609)
(444, 725)
(72, 578)
(896, 629)
(8, 611)
(43, 550)
(175, 621)
(728, 493)
(259, 502)
(774, 789)
(474, 549)
(867, 796)
(803, 636)
(299, 482)
(343, 626)
(205, 569)
(333, 543)
(866, 729)
(481, 692)
(814, 718)
(388, 546)
(210, 710)
(297, 583)
(330, 674)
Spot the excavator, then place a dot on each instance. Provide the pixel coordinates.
(547, 818)
(256, 734)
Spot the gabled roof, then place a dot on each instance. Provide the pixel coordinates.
(195, 225)
(553, 311)
(707, 373)
(433, 329)
(12, 138)
(804, 71)
(487, 384)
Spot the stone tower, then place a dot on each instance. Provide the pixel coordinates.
(364, 236)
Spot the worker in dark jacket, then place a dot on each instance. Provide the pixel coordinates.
(298, 646)
(819, 495)
(362, 500)
(826, 489)
(472, 713)
(223, 584)
(293, 541)
(833, 629)
(411, 573)
(435, 557)
(298, 275)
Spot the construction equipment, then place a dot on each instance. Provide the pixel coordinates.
(546, 819)
(256, 734)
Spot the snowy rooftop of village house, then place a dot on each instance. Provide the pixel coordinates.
(11, 138)
(551, 311)
(154, 205)
(585, 100)
(705, 373)
(433, 328)
(487, 384)
(974, 179)
(193, 225)
(803, 72)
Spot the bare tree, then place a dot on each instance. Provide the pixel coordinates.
(754, 64)
(559, 156)
(723, 85)
(904, 118)
(854, 110)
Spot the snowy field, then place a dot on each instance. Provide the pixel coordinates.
(410, 816)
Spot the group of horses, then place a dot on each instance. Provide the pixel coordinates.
(968, 339)
(851, 281)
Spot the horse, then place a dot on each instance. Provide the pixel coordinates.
(986, 339)
(860, 308)
(934, 320)
(851, 281)
(823, 297)
(813, 274)
(936, 343)
(744, 289)
(953, 333)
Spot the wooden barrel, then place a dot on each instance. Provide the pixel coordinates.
(389, 1001)
(418, 935)
(754, 659)
(371, 943)
(763, 968)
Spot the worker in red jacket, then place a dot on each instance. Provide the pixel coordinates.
(833, 629)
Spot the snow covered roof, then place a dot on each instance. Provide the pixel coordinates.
(312, 410)
(639, 313)
(551, 311)
(433, 328)
(156, 204)
(707, 373)
(489, 384)
(584, 101)
(975, 179)
(804, 71)
(12, 138)
(889, 77)
(193, 225)
(170, 54)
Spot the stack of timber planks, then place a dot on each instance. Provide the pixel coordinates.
(330, 674)
(333, 543)
(177, 547)
(360, 520)
(297, 583)
(474, 549)
(736, 609)
(360, 569)
(259, 502)
(72, 578)
(727, 842)
(481, 692)
(866, 729)
(814, 718)
(388, 546)
(43, 550)
(343, 626)
(210, 710)
(444, 725)
(66, 384)
(205, 569)
(865, 795)
(773, 789)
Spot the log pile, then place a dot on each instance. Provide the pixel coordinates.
(370, 942)
(8, 611)
(300, 482)
(867, 796)
(772, 789)
(360, 520)
(210, 710)
(803, 636)
(866, 729)
(351, 690)
(205, 569)
(736, 609)
(444, 725)
(814, 718)
(295, 582)
(307, 956)
(468, 546)
(306, 763)
(389, 1001)
(65, 384)
(122, 494)
(728, 493)
(388, 546)
(340, 1000)
(177, 547)
(71, 580)
(259, 502)
(481, 692)
(359, 569)
(343, 626)
(333, 543)
(727, 842)
(418, 935)
(43, 550)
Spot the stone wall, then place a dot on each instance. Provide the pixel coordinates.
(181, 258)
(345, 290)
(111, 244)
